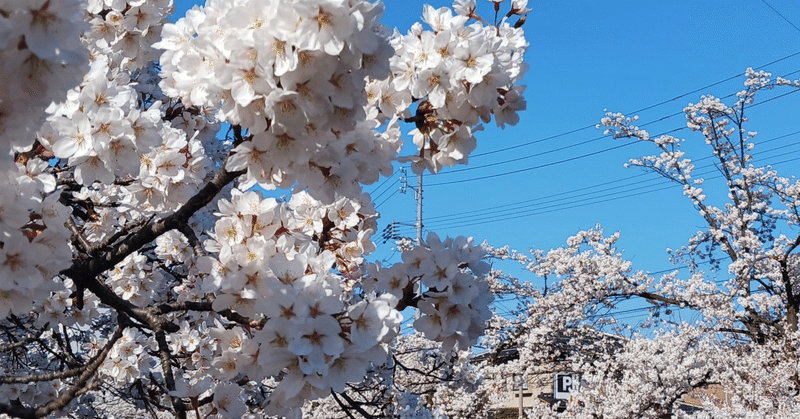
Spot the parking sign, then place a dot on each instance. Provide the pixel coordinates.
(564, 384)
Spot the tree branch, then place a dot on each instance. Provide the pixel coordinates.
(78, 386)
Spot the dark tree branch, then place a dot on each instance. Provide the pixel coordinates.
(166, 366)
(124, 230)
(351, 405)
(77, 237)
(208, 306)
(84, 272)
(80, 271)
(197, 247)
(78, 386)
(21, 343)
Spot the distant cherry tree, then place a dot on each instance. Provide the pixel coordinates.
(727, 319)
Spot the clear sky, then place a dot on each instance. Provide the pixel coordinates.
(586, 57)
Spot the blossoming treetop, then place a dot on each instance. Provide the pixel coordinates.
(726, 321)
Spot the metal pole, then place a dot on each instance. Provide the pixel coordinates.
(419, 209)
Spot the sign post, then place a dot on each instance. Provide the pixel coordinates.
(520, 384)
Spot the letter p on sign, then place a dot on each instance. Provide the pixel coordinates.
(563, 385)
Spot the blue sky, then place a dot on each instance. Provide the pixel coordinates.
(586, 57)
(620, 56)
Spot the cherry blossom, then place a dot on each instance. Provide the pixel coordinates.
(725, 318)
(138, 262)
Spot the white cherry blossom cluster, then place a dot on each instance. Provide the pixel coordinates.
(760, 381)
(449, 277)
(124, 31)
(460, 377)
(41, 57)
(59, 307)
(272, 264)
(293, 77)
(461, 74)
(137, 280)
(111, 264)
(664, 368)
(32, 237)
(422, 380)
(129, 358)
(33, 393)
(41, 51)
(252, 230)
(104, 133)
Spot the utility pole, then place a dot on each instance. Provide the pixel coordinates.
(418, 195)
(419, 209)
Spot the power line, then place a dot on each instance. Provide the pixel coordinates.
(596, 188)
(555, 208)
(781, 15)
(384, 182)
(543, 210)
(594, 153)
(530, 156)
(387, 198)
(396, 181)
(527, 169)
(577, 202)
(552, 137)
(663, 102)
(447, 219)
(580, 156)
(548, 198)
(544, 197)
(538, 209)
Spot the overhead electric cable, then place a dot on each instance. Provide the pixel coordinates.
(576, 202)
(432, 221)
(552, 137)
(597, 188)
(527, 169)
(781, 15)
(555, 208)
(540, 166)
(576, 157)
(540, 211)
(543, 197)
(608, 192)
(387, 198)
(384, 182)
(396, 181)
